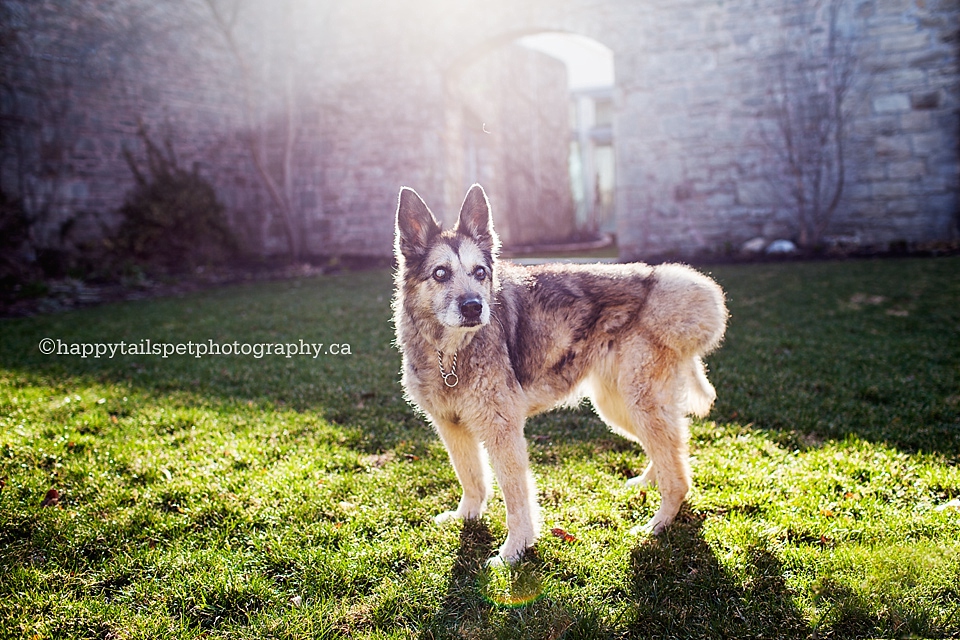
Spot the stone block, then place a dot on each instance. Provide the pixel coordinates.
(936, 183)
(902, 207)
(871, 170)
(895, 7)
(885, 125)
(720, 199)
(860, 190)
(905, 41)
(893, 146)
(903, 79)
(928, 59)
(944, 206)
(754, 193)
(890, 103)
(754, 246)
(891, 189)
(916, 121)
(927, 100)
(781, 247)
(949, 168)
(925, 144)
(906, 170)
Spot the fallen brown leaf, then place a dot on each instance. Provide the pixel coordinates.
(52, 499)
(563, 535)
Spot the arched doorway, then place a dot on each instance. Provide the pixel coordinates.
(592, 161)
(531, 117)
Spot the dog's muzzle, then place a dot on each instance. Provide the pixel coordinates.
(471, 309)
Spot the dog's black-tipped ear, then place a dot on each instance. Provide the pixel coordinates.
(476, 220)
(416, 225)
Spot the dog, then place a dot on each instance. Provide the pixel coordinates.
(486, 343)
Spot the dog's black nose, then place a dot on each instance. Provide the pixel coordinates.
(471, 308)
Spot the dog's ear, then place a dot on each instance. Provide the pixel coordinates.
(416, 225)
(476, 219)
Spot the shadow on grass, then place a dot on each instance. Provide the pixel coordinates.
(462, 603)
(680, 589)
(487, 602)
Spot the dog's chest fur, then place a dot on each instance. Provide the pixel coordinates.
(483, 374)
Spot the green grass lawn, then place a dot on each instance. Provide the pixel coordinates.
(274, 497)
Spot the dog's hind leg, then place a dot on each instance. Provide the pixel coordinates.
(658, 417)
(646, 479)
(665, 434)
(700, 394)
(649, 403)
(615, 412)
(470, 463)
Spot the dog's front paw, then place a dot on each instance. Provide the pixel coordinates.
(510, 553)
(495, 562)
(463, 512)
(657, 524)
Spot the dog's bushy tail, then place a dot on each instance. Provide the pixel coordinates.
(686, 310)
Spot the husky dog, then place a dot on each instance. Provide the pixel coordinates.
(487, 343)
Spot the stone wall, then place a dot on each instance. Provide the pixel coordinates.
(370, 88)
(82, 83)
(695, 103)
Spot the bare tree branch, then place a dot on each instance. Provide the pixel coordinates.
(280, 189)
(814, 73)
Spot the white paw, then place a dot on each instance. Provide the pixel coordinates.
(461, 513)
(642, 481)
(654, 527)
(446, 516)
(510, 553)
(495, 562)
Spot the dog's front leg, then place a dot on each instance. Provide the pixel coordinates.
(470, 463)
(508, 452)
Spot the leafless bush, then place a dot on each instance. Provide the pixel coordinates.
(271, 151)
(811, 79)
(51, 53)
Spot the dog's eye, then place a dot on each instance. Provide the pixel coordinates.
(441, 274)
(480, 273)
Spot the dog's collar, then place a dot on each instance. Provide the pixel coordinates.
(450, 378)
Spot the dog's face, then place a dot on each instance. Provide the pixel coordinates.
(450, 274)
